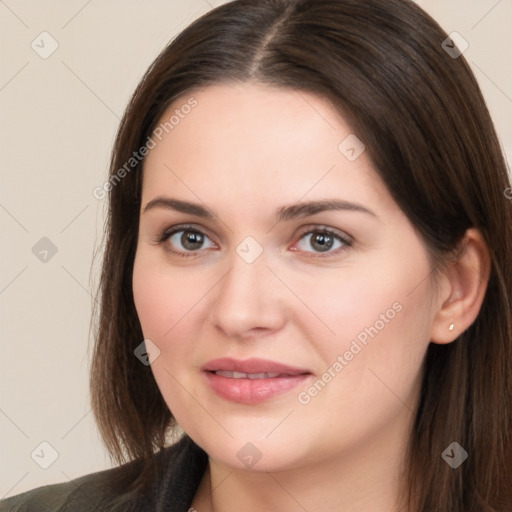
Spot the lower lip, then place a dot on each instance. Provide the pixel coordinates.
(252, 391)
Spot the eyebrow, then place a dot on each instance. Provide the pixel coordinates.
(284, 213)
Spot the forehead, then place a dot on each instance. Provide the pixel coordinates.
(250, 116)
(258, 140)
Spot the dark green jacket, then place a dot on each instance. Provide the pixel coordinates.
(183, 465)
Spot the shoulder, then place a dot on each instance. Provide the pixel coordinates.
(81, 494)
(101, 490)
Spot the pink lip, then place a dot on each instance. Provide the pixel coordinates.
(253, 365)
(252, 391)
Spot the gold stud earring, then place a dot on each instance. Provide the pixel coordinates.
(451, 327)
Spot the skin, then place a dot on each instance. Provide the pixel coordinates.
(244, 151)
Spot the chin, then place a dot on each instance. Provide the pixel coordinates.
(256, 455)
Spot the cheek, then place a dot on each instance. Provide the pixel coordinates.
(372, 366)
(163, 301)
(162, 298)
(171, 304)
(358, 306)
(151, 302)
(372, 322)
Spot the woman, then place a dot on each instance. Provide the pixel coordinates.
(305, 298)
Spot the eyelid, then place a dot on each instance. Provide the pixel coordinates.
(344, 238)
(166, 233)
(169, 231)
(327, 229)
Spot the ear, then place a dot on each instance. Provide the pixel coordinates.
(465, 284)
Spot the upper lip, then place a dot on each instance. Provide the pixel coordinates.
(253, 365)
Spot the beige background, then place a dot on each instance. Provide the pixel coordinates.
(58, 119)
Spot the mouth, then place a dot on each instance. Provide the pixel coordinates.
(252, 381)
(242, 375)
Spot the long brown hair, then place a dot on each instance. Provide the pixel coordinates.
(424, 122)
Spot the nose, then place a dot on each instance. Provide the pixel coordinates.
(249, 300)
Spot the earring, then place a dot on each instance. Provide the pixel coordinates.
(451, 327)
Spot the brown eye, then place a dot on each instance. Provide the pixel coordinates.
(184, 240)
(191, 240)
(323, 240)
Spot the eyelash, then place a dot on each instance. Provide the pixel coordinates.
(167, 233)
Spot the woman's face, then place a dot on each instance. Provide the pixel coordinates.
(341, 296)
